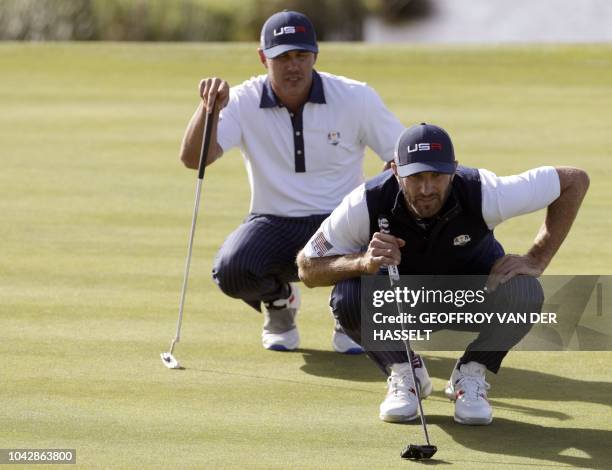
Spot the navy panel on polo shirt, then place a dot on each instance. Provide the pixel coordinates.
(315, 95)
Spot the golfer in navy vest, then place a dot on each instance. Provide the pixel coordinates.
(441, 217)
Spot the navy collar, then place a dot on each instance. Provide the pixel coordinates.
(316, 94)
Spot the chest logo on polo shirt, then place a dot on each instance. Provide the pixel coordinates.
(462, 240)
(333, 137)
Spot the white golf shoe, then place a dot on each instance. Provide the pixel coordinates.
(279, 331)
(401, 403)
(468, 389)
(342, 343)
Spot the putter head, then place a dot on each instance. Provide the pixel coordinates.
(170, 361)
(417, 452)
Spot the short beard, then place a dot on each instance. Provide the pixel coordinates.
(413, 210)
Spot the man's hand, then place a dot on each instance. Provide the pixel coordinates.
(208, 89)
(214, 87)
(509, 266)
(384, 249)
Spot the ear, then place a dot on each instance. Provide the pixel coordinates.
(394, 168)
(262, 57)
(454, 172)
(315, 59)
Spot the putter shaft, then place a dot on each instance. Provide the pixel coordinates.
(394, 279)
(206, 138)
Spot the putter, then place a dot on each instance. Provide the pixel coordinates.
(167, 358)
(412, 451)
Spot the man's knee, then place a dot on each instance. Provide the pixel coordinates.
(232, 271)
(345, 302)
(521, 293)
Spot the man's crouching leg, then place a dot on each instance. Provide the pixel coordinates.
(467, 386)
(400, 403)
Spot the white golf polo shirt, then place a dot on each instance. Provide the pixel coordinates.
(347, 229)
(305, 163)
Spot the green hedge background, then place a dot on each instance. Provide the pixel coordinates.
(185, 20)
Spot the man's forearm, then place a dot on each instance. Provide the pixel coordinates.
(329, 270)
(560, 216)
(192, 140)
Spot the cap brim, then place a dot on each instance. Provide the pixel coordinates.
(282, 48)
(414, 168)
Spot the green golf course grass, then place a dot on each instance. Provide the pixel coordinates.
(95, 210)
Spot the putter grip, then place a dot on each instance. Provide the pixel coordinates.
(383, 226)
(206, 139)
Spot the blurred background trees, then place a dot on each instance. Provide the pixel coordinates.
(186, 20)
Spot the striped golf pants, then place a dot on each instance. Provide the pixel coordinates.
(257, 260)
(520, 294)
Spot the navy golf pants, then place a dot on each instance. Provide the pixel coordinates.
(520, 294)
(257, 260)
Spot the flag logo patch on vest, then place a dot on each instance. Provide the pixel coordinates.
(320, 244)
(461, 240)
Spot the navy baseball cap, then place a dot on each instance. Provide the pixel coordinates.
(287, 31)
(424, 147)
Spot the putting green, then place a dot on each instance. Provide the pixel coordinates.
(94, 218)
